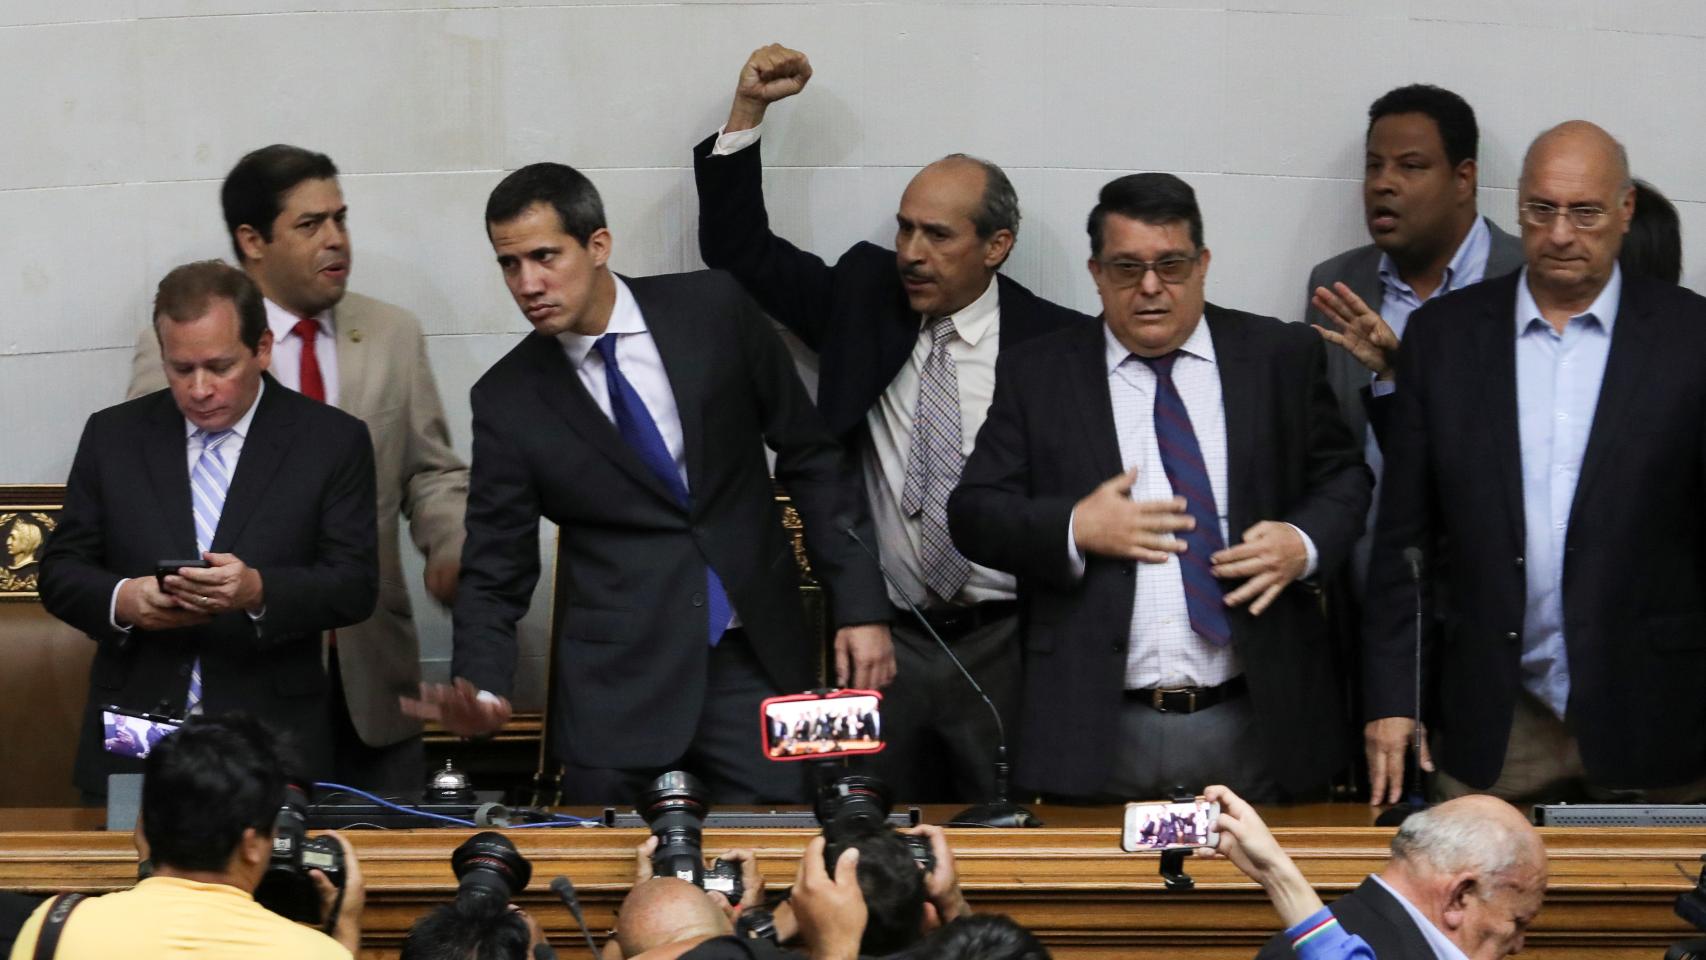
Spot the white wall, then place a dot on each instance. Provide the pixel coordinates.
(120, 116)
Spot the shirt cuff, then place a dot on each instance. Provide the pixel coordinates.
(735, 142)
(112, 609)
(1382, 388)
(1320, 937)
(1074, 556)
(1308, 548)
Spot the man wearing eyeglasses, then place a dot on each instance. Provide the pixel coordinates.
(1166, 484)
(1547, 433)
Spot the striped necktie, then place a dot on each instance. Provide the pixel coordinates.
(209, 482)
(1181, 458)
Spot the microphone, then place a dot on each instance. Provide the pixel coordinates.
(1416, 802)
(999, 812)
(566, 892)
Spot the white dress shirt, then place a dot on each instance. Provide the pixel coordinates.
(1442, 946)
(287, 350)
(229, 452)
(642, 365)
(1164, 650)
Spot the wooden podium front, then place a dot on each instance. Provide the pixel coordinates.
(1610, 895)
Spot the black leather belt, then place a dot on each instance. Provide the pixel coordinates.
(952, 622)
(1188, 699)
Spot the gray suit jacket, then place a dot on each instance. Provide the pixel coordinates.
(383, 379)
(1359, 269)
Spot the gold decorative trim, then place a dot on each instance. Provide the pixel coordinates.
(28, 513)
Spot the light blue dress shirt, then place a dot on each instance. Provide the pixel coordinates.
(1558, 377)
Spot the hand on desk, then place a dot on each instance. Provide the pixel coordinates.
(458, 707)
(1385, 741)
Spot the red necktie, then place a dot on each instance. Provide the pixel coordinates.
(311, 384)
(309, 381)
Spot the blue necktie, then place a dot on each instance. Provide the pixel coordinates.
(209, 482)
(637, 428)
(1181, 458)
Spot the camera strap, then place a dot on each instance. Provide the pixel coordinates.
(53, 924)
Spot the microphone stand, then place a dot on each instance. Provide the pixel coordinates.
(999, 812)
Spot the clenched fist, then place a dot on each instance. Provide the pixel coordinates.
(772, 73)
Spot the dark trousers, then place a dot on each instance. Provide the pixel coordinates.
(395, 770)
(725, 753)
(1155, 752)
(941, 739)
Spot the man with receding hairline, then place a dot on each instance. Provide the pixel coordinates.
(1466, 880)
(906, 341)
(1545, 445)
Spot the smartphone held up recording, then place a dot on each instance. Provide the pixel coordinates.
(822, 726)
(1169, 826)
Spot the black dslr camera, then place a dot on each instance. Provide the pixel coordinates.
(674, 806)
(287, 889)
(490, 871)
(854, 804)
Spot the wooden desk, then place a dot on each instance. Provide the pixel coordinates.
(1610, 895)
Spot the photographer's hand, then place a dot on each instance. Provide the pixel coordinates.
(942, 885)
(643, 859)
(751, 878)
(829, 908)
(346, 930)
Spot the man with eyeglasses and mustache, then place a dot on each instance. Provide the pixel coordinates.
(906, 342)
(1167, 485)
(1547, 432)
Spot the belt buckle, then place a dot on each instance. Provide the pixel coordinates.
(1158, 697)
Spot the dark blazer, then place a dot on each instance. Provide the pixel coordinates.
(300, 510)
(631, 646)
(1050, 440)
(1374, 915)
(1359, 269)
(854, 314)
(1634, 559)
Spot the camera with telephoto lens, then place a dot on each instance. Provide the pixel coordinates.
(856, 804)
(674, 806)
(287, 888)
(490, 871)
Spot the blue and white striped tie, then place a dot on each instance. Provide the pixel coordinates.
(209, 481)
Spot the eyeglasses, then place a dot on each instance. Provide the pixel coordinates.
(1537, 214)
(1129, 273)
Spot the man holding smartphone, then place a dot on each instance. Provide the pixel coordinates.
(273, 491)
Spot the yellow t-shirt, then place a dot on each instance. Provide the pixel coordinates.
(169, 917)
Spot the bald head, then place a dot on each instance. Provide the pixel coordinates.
(1478, 834)
(1575, 200)
(665, 910)
(954, 228)
(1583, 143)
(1476, 869)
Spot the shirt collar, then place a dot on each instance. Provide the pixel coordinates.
(1603, 309)
(1199, 344)
(282, 322)
(1442, 946)
(241, 427)
(625, 317)
(978, 316)
(1468, 265)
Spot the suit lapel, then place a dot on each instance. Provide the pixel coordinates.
(1087, 378)
(263, 452)
(166, 456)
(1495, 351)
(1633, 343)
(562, 391)
(681, 344)
(1238, 384)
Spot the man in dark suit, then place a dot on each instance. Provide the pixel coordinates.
(274, 491)
(1466, 878)
(1420, 177)
(907, 341)
(1546, 436)
(635, 417)
(1172, 416)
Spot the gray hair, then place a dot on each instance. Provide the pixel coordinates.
(999, 209)
(1450, 839)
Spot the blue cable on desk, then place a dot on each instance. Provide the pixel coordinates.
(559, 819)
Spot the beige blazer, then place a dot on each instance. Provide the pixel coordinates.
(384, 379)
